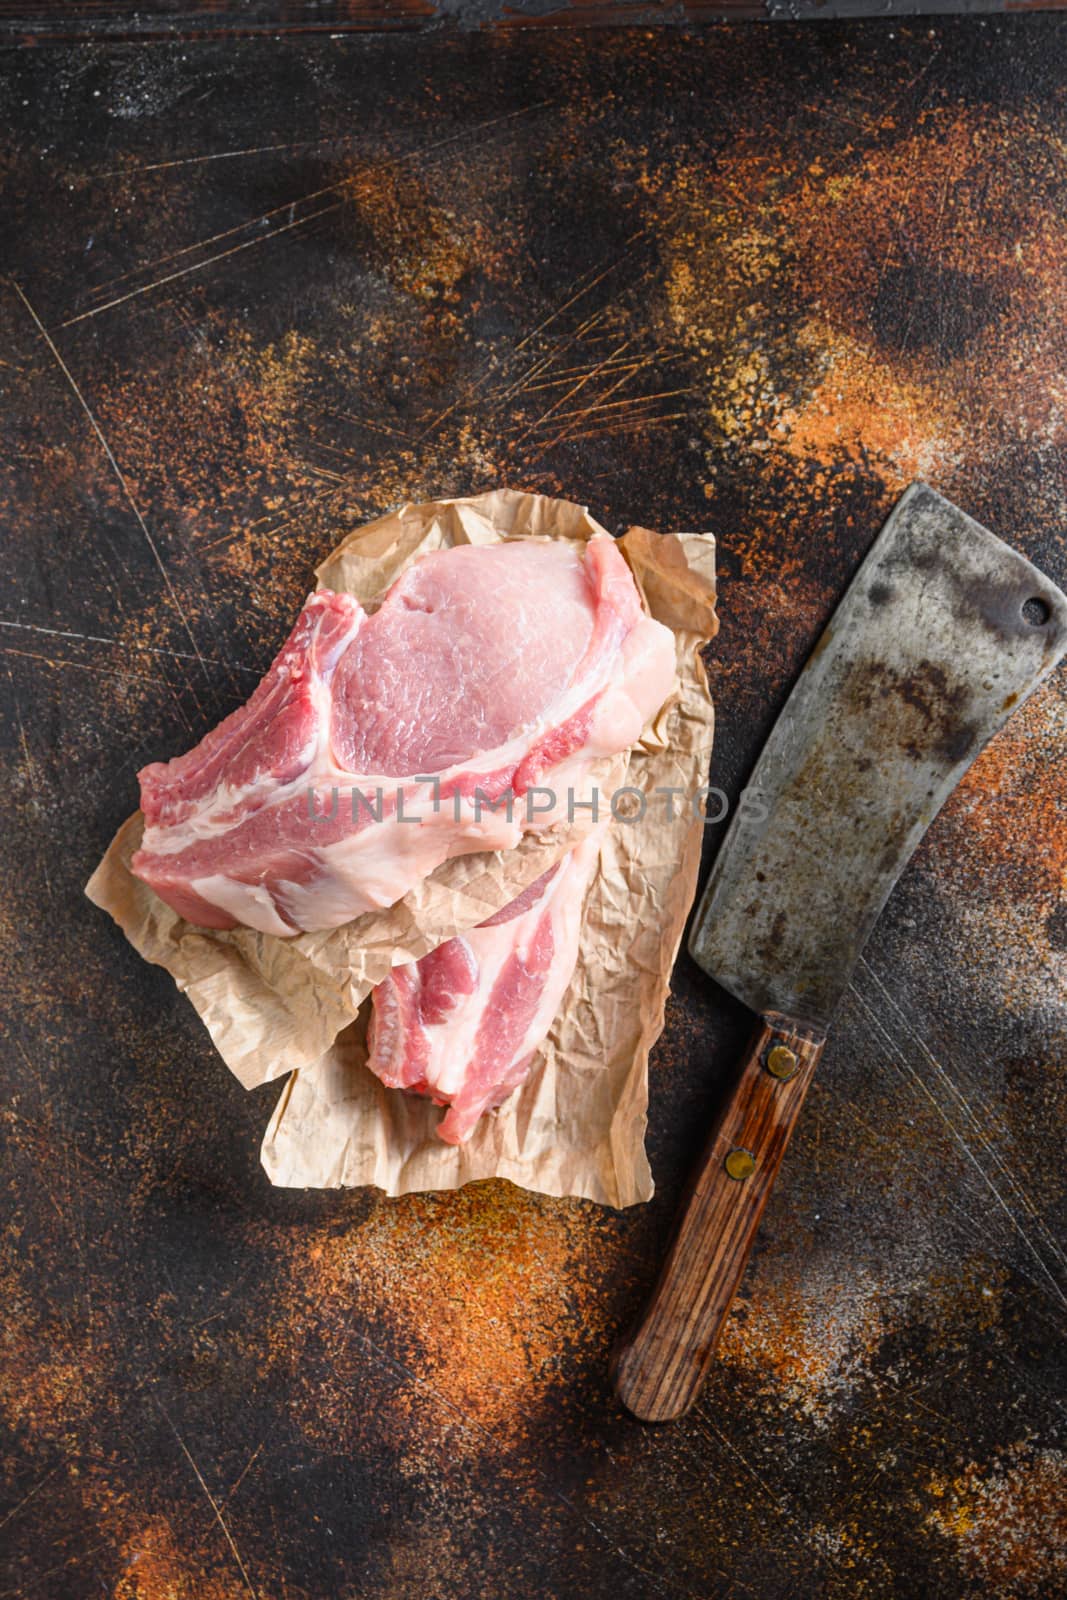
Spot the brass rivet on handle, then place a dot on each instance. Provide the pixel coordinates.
(781, 1063)
(740, 1164)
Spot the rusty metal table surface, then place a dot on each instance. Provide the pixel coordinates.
(748, 280)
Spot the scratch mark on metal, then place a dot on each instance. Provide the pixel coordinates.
(522, 384)
(253, 1458)
(13, 1513)
(200, 266)
(76, 1560)
(104, 672)
(565, 374)
(652, 419)
(339, 188)
(583, 289)
(223, 1524)
(572, 391)
(1018, 1193)
(364, 422)
(221, 155)
(84, 666)
(909, 1072)
(800, 1532)
(632, 401)
(467, 1424)
(98, 638)
(109, 453)
(591, 411)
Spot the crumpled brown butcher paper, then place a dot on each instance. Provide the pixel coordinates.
(276, 1006)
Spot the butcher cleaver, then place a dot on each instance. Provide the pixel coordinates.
(942, 634)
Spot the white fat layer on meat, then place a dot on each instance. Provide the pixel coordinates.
(374, 868)
(320, 771)
(248, 903)
(453, 1042)
(378, 864)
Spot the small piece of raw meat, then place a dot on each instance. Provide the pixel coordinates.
(375, 746)
(462, 1024)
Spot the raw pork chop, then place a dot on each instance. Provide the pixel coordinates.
(462, 1024)
(375, 745)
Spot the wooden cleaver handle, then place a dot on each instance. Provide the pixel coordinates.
(659, 1369)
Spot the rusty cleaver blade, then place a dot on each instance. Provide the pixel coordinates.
(942, 634)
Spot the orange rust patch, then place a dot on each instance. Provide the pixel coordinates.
(478, 1296)
(1008, 814)
(50, 1379)
(243, 399)
(155, 1565)
(424, 249)
(809, 1347)
(1007, 1521)
(864, 409)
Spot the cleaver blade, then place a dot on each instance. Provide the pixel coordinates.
(943, 633)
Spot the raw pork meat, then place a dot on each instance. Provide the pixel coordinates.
(375, 746)
(462, 1024)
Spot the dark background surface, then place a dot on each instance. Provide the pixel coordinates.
(752, 281)
(35, 22)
